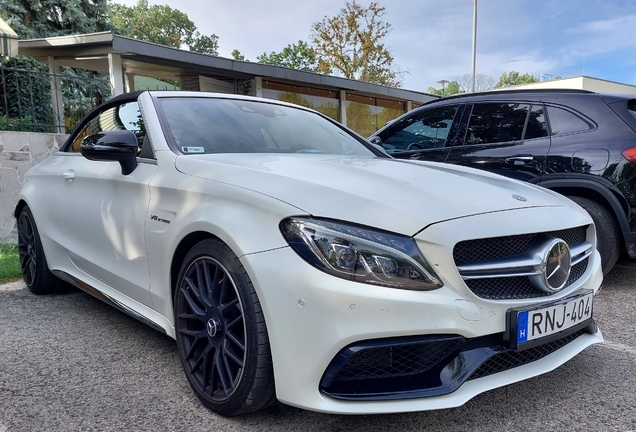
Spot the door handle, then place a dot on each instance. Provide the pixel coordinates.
(519, 160)
(68, 175)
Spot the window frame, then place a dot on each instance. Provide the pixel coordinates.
(453, 132)
(591, 123)
(115, 102)
(469, 113)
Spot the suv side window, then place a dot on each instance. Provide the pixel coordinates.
(426, 129)
(124, 116)
(537, 127)
(563, 121)
(496, 122)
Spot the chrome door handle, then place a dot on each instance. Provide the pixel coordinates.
(519, 160)
(68, 175)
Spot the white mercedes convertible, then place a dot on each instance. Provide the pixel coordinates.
(293, 261)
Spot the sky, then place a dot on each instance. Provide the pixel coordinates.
(431, 40)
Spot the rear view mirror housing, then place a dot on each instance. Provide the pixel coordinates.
(112, 146)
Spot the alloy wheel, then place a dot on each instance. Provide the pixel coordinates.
(27, 248)
(211, 326)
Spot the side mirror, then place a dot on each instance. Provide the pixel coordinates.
(114, 146)
(375, 140)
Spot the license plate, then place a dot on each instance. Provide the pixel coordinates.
(528, 327)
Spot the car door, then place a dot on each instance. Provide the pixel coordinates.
(101, 213)
(426, 134)
(507, 138)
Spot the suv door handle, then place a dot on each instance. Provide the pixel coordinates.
(68, 175)
(519, 160)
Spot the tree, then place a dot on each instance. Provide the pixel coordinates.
(296, 56)
(482, 82)
(351, 44)
(514, 78)
(162, 25)
(26, 91)
(451, 88)
(236, 55)
(32, 19)
(25, 96)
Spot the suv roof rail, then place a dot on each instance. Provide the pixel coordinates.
(510, 91)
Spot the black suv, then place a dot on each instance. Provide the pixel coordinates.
(578, 143)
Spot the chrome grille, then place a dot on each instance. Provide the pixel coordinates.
(517, 287)
(504, 252)
(500, 247)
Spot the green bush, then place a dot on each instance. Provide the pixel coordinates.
(26, 92)
(24, 124)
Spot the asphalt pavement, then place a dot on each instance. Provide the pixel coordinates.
(69, 362)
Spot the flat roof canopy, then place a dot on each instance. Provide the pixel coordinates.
(91, 51)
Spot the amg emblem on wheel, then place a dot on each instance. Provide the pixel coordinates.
(213, 327)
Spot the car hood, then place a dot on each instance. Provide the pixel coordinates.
(395, 195)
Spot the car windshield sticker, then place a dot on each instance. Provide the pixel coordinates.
(193, 149)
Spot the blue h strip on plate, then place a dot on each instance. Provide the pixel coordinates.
(522, 327)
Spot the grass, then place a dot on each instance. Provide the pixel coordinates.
(9, 263)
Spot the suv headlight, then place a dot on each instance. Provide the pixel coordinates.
(360, 254)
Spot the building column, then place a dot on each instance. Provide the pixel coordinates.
(130, 82)
(258, 87)
(343, 107)
(116, 74)
(409, 106)
(57, 99)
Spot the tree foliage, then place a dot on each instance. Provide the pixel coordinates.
(463, 84)
(25, 95)
(450, 89)
(162, 25)
(515, 78)
(236, 55)
(32, 19)
(482, 82)
(351, 44)
(296, 56)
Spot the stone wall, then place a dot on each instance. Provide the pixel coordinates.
(19, 151)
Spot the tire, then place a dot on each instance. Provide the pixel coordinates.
(221, 334)
(608, 233)
(35, 270)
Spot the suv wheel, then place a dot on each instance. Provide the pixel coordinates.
(609, 241)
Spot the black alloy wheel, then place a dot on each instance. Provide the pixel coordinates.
(26, 247)
(221, 334)
(35, 271)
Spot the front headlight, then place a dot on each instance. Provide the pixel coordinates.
(360, 254)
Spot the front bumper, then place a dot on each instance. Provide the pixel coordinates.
(417, 367)
(312, 317)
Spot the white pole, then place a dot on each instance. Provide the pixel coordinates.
(472, 83)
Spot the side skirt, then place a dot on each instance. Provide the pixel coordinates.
(106, 299)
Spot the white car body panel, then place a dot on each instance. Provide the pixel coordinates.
(363, 190)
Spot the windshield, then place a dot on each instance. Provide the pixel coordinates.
(207, 125)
